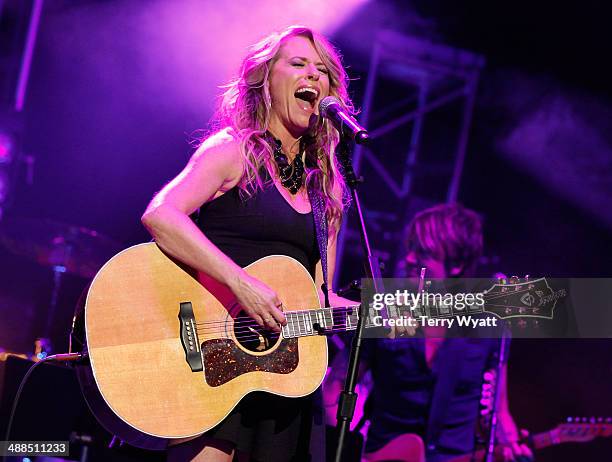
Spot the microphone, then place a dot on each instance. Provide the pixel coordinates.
(331, 109)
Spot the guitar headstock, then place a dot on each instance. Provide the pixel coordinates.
(526, 297)
(582, 429)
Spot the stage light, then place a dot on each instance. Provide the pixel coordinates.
(6, 148)
(186, 49)
(7, 154)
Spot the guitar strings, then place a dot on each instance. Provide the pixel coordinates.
(246, 333)
(255, 336)
(247, 328)
(248, 320)
(251, 335)
(297, 311)
(244, 326)
(241, 320)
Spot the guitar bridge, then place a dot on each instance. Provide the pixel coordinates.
(189, 337)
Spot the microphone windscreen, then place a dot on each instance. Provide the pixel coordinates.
(326, 103)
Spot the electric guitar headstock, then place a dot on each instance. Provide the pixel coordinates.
(582, 429)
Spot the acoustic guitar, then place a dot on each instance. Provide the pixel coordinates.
(171, 353)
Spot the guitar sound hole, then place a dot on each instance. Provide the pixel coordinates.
(252, 336)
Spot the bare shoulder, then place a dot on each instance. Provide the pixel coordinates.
(223, 140)
(220, 153)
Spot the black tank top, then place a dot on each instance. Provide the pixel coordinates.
(264, 224)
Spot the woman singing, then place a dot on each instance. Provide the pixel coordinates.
(249, 183)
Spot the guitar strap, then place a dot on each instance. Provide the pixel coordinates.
(320, 221)
(449, 368)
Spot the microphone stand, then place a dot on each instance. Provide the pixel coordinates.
(348, 397)
(503, 354)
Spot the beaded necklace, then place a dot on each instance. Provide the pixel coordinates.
(291, 174)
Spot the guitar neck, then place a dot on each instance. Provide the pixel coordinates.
(539, 441)
(544, 440)
(319, 321)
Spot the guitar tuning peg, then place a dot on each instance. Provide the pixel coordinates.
(584, 420)
(592, 420)
(527, 277)
(569, 420)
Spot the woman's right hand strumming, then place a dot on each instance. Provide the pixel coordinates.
(259, 301)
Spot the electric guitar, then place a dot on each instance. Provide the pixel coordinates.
(410, 447)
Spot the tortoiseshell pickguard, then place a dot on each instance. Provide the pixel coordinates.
(224, 361)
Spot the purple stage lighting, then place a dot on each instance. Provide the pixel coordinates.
(6, 148)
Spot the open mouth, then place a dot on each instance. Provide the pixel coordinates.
(307, 97)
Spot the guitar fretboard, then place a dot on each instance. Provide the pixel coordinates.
(303, 323)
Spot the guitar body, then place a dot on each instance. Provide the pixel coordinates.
(410, 447)
(404, 448)
(137, 344)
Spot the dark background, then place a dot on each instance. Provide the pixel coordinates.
(109, 124)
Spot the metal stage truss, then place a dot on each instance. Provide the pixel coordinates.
(418, 104)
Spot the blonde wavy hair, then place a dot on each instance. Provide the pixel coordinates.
(245, 108)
